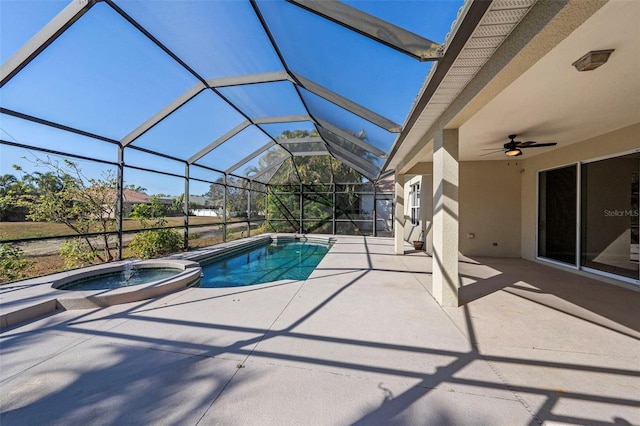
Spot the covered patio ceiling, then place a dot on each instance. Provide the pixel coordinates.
(528, 85)
(238, 87)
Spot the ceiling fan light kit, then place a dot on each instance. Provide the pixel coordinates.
(513, 147)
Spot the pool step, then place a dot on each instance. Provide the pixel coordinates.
(29, 313)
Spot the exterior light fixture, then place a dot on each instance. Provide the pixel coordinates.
(513, 152)
(592, 60)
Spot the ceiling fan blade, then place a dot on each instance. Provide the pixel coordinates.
(492, 149)
(540, 145)
(490, 153)
(527, 143)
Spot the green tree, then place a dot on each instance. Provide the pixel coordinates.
(11, 189)
(236, 195)
(150, 215)
(86, 205)
(142, 212)
(314, 169)
(317, 173)
(215, 195)
(177, 203)
(45, 182)
(237, 200)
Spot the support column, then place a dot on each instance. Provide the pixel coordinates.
(249, 209)
(333, 219)
(375, 211)
(268, 197)
(120, 200)
(224, 211)
(185, 207)
(398, 217)
(446, 280)
(301, 231)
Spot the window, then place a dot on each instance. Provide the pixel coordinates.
(415, 204)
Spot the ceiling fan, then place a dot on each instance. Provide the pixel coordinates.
(513, 147)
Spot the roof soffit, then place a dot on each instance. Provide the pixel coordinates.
(486, 34)
(539, 34)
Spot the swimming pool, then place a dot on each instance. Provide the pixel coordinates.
(270, 261)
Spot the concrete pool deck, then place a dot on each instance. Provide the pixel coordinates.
(32, 298)
(361, 341)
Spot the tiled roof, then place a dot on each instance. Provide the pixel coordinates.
(132, 196)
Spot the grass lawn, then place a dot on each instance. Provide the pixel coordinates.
(15, 230)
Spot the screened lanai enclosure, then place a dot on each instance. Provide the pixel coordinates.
(240, 117)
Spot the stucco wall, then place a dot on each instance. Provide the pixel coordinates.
(489, 207)
(616, 142)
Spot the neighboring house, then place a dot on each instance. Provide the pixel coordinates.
(131, 198)
(200, 205)
(206, 212)
(198, 201)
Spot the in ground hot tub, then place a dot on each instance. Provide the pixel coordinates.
(124, 282)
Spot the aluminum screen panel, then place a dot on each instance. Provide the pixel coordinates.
(236, 148)
(14, 129)
(196, 172)
(348, 122)
(211, 37)
(290, 130)
(23, 20)
(387, 80)
(261, 163)
(192, 126)
(217, 83)
(411, 15)
(265, 99)
(304, 148)
(101, 75)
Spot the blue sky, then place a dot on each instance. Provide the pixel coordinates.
(103, 76)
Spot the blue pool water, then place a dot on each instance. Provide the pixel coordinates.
(266, 263)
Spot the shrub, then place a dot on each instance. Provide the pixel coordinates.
(76, 252)
(157, 242)
(12, 262)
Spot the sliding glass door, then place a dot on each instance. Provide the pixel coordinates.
(604, 195)
(609, 215)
